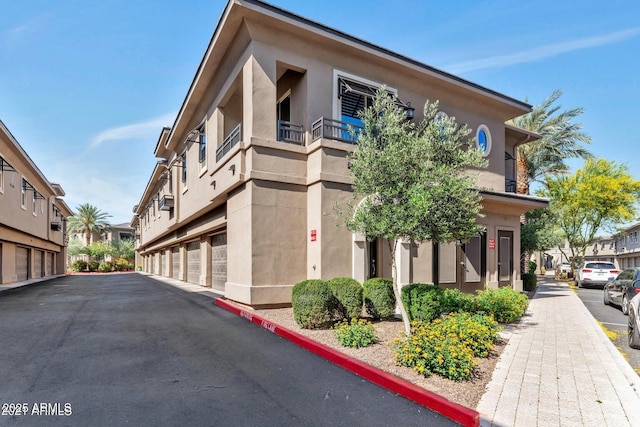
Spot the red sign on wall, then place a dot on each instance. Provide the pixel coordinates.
(492, 243)
(314, 235)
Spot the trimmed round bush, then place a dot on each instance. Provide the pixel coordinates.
(379, 300)
(454, 301)
(105, 267)
(348, 293)
(422, 301)
(313, 304)
(93, 265)
(505, 304)
(79, 265)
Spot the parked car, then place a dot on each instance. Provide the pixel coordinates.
(623, 288)
(565, 268)
(596, 273)
(633, 328)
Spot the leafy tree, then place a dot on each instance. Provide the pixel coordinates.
(413, 180)
(537, 232)
(561, 139)
(98, 250)
(599, 196)
(89, 219)
(125, 249)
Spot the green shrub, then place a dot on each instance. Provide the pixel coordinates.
(105, 267)
(422, 301)
(348, 293)
(531, 267)
(447, 346)
(455, 301)
(79, 265)
(356, 333)
(504, 304)
(529, 281)
(120, 264)
(313, 304)
(379, 300)
(93, 265)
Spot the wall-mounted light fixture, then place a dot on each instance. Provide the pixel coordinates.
(232, 168)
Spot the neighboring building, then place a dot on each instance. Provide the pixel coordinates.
(243, 197)
(32, 217)
(113, 235)
(617, 249)
(627, 247)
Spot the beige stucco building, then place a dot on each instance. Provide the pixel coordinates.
(32, 217)
(242, 198)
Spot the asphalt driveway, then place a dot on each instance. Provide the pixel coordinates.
(125, 349)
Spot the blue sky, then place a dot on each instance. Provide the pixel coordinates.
(86, 87)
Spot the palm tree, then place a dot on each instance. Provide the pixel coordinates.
(88, 220)
(560, 140)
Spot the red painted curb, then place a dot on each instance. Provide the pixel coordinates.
(461, 414)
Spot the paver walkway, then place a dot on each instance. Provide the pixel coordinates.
(560, 369)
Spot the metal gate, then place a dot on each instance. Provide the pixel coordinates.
(175, 262)
(219, 261)
(22, 263)
(193, 263)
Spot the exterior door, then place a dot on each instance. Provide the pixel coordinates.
(219, 261)
(373, 255)
(505, 258)
(472, 264)
(193, 263)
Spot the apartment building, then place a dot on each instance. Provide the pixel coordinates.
(242, 198)
(32, 217)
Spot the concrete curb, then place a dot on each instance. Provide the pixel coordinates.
(461, 414)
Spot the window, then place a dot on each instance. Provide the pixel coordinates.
(202, 140)
(125, 236)
(284, 108)
(483, 140)
(23, 193)
(184, 168)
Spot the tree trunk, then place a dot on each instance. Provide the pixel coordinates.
(522, 180)
(393, 245)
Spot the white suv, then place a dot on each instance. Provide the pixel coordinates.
(596, 273)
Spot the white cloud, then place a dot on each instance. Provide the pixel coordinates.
(543, 52)
(148, 129)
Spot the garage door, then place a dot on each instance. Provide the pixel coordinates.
(219, 261)
(48, 263)
(193, 263)
(22, 263)
(175, 263)
(37, 264)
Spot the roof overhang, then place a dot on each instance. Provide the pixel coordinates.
(510, 203)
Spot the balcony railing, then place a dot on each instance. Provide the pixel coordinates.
(232, 139)
(290, 132)
(510, 185)
(334, 129)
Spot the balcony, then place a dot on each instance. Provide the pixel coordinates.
(229, 142)
(510, 185)
(290, 132)
(335, 129)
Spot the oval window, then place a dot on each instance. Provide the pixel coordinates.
(483, 140)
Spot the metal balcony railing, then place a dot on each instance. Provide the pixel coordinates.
(232, 139)
(510, 185)
(290, 132)
(335, 129)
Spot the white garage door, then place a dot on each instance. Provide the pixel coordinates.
(193, 263)
(175, 262)
(219, 261)
(22, 263)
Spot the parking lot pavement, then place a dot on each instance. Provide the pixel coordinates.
(125, 349)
